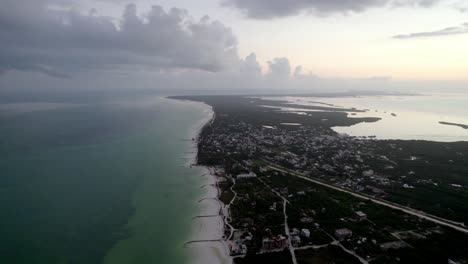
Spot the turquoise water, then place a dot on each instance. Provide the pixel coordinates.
(97, 182)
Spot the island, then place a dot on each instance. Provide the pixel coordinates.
(453, 124)
(306, 194)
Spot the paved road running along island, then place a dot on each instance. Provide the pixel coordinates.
(435, 219)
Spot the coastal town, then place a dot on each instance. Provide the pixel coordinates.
(294, 192)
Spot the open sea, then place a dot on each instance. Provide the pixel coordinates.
(101, 182)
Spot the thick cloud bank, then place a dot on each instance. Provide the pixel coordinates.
(44, 36)
(266, 9)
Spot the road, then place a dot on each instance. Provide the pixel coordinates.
(231, 228)
(432, 218)
(286, 226)
(338, 243)
(363, 261)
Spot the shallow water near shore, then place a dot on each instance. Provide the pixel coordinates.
(100, 182)
(407, 117)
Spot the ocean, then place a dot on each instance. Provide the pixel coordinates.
(100, 182)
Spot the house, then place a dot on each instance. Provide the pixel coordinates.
(306, 220)
(393, 245)
(294, 232)
(275, 243)
(237, 248)
(305, 232)
(342, 234)
(295, 241)
(361, 216)
(246, 175)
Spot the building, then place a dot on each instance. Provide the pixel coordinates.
(246, 175)
(342, 234)
(296, 241)
(393, 245)
(294, 232)
(275, 243)
(361, 216)
(237, 248)
(305, 233)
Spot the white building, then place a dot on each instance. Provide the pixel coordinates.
(246, 175)
(361, 216)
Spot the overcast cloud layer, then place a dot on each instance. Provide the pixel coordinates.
(266, 9)
(45, 45)
(48, 37)
(61, 41)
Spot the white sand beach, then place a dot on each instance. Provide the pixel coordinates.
(206, 244)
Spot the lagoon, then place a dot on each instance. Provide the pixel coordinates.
(406, 117)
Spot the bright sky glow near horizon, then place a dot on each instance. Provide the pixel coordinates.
(411, 40)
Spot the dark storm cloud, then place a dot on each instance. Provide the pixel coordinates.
(266, 9)
(59, 41)
(463, 29)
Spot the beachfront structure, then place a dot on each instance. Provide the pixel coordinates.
(237, 248)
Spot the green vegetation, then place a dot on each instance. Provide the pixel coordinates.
(283, 257)
(330, 254)
(436, 166)
(333, 210)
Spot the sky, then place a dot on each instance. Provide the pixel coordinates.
(233, 45)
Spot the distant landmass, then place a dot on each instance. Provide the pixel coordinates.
(454, 124)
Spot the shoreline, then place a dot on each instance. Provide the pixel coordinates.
(207, 243)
